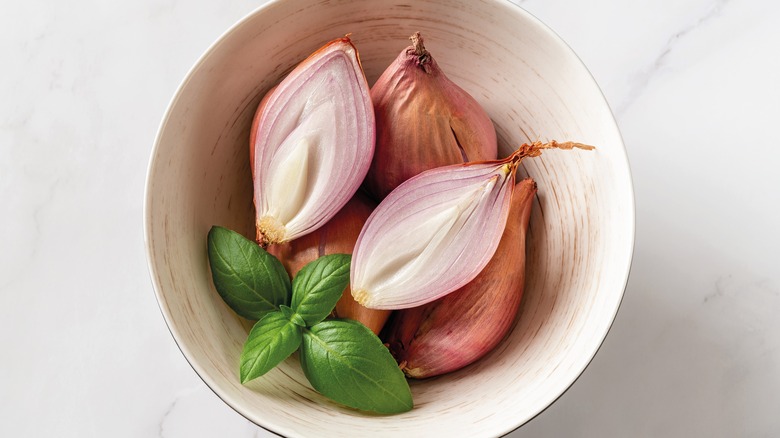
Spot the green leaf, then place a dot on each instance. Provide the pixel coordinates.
(292, 316)
(319, 285)
(271, 341)
(251, 281)
(345, 361)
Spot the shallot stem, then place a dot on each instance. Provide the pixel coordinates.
(423, 57)
(535, 149)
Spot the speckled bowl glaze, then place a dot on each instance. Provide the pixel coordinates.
(534, 88)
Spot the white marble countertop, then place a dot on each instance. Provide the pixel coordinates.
(695, 349)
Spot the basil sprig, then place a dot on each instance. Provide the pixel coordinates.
(342, 358)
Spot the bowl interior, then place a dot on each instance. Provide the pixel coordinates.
(533, 87)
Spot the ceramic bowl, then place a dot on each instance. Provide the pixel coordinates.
(534, 88)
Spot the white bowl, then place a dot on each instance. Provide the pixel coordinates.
(534, 88)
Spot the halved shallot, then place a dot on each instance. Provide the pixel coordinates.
(435, 232)
(311, 143)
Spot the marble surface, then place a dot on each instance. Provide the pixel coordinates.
(695, 349)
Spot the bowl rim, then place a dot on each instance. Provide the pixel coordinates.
(510, 8)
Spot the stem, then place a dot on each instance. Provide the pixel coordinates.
(417, 42)
(423, 56)
(535, 149)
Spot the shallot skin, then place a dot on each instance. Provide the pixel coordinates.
(452, 332)
(423, 120)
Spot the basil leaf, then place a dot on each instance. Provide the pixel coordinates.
(319, 285)
(270, 341)
(345, 361)
(292, 316)
(251, 281)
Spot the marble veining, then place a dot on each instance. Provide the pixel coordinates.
(641, 79)
(165, 417)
